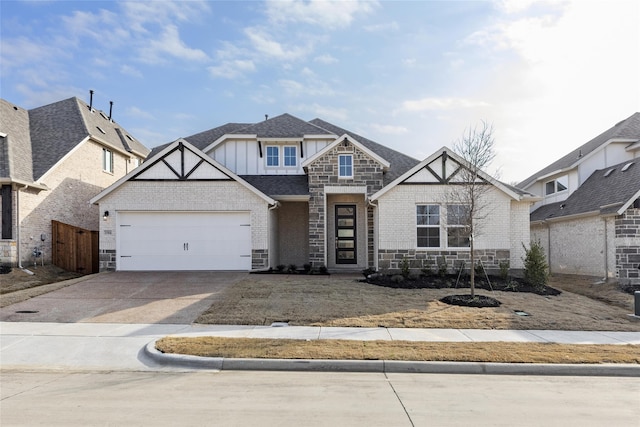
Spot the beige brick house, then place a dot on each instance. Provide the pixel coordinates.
(53, 159)
(286, 191)
(588, 218)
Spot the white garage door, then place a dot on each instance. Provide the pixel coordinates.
(184, 241)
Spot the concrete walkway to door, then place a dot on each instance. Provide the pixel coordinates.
(127, 297)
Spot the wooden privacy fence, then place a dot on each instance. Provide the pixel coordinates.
(74, 248)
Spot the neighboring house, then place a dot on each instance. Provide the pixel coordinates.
(53, 159)
(285, 191)
(588, 220)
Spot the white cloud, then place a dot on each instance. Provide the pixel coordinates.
(267, 46)
(232, 69)
(388, 26)
(169, 43)
(325, 59)
(130, 71)
(390, 129)
(324, 112)
(139, 14)
(431, 103)
(321, 13)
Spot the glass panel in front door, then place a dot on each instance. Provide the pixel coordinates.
(346, 235)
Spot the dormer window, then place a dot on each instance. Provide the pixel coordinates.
(345, 166)
(557, 185)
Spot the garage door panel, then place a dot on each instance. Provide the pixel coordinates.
(184, 241)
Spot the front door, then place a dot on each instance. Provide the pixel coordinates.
(346, 235)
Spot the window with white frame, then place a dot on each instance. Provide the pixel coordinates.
(428, 226)
(345, 166)
(457, 226)
(556, 185)
(273, 155)
(290, 156)
(107, 160)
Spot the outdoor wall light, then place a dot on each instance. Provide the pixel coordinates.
(106, 215)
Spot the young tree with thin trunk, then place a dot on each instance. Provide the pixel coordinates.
(476, 148)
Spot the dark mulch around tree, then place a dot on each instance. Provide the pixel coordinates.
(469, 301)
(495, 283)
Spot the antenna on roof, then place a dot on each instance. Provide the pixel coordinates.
(90, 99)
(110, 109)
(266, 117)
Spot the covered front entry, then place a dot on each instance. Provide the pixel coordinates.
(183, 241)
(346, 232)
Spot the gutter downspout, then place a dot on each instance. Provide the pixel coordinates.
(273, 207)
(18, 230)
(375, 233)
(606, 252)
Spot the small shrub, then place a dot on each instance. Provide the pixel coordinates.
(306, 268)
(5, 269)
(426, 269)
(323, 269)
(292, 268)
(479, 269)
(368, 271)
(280, 268)
(536, 270)
(504, 269)
(404, 268)
(442, 267)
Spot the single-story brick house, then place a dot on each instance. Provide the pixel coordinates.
(286, 191)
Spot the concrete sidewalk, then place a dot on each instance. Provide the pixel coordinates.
(117, 346)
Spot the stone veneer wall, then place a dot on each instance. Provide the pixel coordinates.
(392, 259)
(324, 171)
(259, 259)
(627, 242)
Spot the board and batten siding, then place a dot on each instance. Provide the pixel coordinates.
(242, 156)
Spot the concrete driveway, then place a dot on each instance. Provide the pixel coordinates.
(127, 297)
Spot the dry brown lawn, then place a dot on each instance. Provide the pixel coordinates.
(340, 301)
(498, 352)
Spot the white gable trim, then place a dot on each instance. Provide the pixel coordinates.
(385, 164)
(629, 202)
(167, 151)
(457, 159)
(226, 136)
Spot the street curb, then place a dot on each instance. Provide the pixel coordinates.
(388, 366)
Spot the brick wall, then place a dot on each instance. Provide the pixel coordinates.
(185, 196)
(500, 232)
(324, 172)
(392, 259)
(72, 184)
(627, 242)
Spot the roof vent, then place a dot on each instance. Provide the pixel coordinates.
(580, 154)
(627, 166)
(91, 100)
(609, 172)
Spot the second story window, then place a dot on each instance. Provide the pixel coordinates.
(273, 156)
(290, 158)
(107, 160)
(557, 185)
(345, 166)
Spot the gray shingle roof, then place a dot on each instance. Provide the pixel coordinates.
(283, 126)
(15, 152)
(399, 163)
(604, 192)
(628, 129)
(279, 185)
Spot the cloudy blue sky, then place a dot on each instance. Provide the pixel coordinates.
(549, 75)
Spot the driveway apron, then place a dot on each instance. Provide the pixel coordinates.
(127, 297)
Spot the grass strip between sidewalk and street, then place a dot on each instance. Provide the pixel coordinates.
(498, 352)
